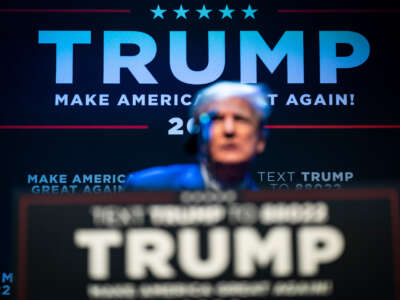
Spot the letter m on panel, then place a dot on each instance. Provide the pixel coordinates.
(289, 46)
(7, 277)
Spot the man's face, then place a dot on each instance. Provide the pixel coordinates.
(234, 136)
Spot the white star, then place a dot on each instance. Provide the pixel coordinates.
(158, 12)
(249, 12)
(203, 12)
(181, 12)
(226, 12)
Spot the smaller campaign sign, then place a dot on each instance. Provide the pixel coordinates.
(210, 245)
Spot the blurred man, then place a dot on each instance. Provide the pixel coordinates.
(229, 120)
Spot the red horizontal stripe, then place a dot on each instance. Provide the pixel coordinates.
(318, 11)
(332, 126)
(84, 127)
(74, 127)
(51, 10)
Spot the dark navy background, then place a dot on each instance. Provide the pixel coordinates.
(27, 81)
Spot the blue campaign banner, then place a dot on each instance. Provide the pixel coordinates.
(94, 90)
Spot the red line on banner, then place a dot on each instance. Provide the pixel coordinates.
(94, 127)
(332, 126)
(84, 127)
(319, 11)
(55, 10)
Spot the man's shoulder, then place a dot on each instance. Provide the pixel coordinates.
(172, 177)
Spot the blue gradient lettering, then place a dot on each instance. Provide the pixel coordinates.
(64, 41)
(178, 58)
(290, 45)
(136, 64)
(329, 62)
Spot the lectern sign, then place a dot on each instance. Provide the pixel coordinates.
(204, 245)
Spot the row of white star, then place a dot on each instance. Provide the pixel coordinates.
(203, 12)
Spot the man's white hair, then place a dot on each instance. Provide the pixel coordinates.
(255, 95)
